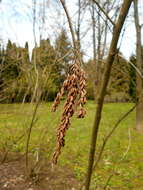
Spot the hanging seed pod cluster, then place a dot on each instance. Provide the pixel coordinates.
(74, 86)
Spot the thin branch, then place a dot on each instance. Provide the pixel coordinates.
(106, 140)
(79, 23)
(34, 21)
(128, 147)
(104, 12)
(98, 12)
(110, 134)
(29, 135)
(137, 70)
(93, 32)
(124, 155)
(108, 180)
(69, 22)
(76, 49)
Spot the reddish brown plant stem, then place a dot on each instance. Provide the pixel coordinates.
(112, 51)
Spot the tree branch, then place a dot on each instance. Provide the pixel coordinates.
(110, 134)
(106, 140)
(104, 12)
(70, 24)
(76, 49)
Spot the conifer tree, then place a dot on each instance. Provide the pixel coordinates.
(63, 47)
(118, 89)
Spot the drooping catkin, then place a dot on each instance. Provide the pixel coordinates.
(76, 96)
(82, 95)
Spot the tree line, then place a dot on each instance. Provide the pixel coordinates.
(45, 70)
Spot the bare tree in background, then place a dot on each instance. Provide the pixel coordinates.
(78, 23)
(102, 24)
(42, 18)
(139, 64)
(34, 20)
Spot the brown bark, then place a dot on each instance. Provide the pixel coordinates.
(112, 51)
(34, 21)
(104, 12)
(98, 62)
(93, 32)
(139, 85)
(76, 52)
(78, 23)
(102, 30)
(94, 45)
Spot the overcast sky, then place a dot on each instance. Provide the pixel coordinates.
(16, 24)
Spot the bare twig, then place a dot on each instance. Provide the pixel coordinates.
(104, 12)
(110, 134)
(75, 45)
(70, 23)
(114, 171)
(108, 137)
(29, 135)
(136, 69)
(107, 182)
(78, 23)
(34, 20)
(129, 145)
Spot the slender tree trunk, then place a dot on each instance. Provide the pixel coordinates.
(34, 21)
(42, 17)
(94, 45)
(93, 32)
(105, 31)
(78, 24)
(112, 51)
(98, 62)
(139, 85)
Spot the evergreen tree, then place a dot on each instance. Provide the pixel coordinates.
(11, 61)
(90, 69)
(118, 89)
(132, 86)
(14, 73)
(63, 51)
(49, 69)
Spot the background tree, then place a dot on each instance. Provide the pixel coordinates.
(63, 51)
(118, 88)
(132, 85)
(101, 25)
(139, 64)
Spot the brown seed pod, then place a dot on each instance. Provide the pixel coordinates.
(75, 85)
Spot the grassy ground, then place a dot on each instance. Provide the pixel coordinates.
(121, 166)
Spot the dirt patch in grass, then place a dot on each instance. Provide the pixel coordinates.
(12, 177)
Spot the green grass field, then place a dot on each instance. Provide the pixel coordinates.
(122, 160)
